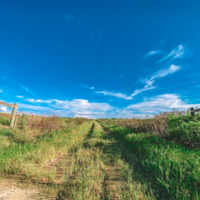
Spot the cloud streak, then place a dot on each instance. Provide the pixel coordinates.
(178, 52)
(39, 101)
(151, 53)
(91, 88)
(118, 95)
(148, 83)
(20, 97)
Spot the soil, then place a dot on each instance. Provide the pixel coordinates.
(16, 190)
(12, 190)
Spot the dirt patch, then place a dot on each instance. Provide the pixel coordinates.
(12, 190)
(16, 190)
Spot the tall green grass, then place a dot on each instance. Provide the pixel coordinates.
(184, 130)
(4, 120)
(172, 169)
(19, 148)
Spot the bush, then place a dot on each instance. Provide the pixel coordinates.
(184, 130)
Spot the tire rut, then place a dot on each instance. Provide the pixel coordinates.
(113, 180)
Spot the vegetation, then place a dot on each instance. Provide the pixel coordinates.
(153, 158)
(4, 119)
(169, 161)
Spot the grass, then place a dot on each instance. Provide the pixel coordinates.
(78, 161)
(4, 119)
(98, 172)
(172, 170)
(103, 159)
(25, 154)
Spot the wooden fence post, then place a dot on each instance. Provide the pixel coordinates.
(14, 112)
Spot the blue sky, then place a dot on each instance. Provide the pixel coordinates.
(97, 58)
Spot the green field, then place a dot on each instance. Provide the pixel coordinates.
(154, 158)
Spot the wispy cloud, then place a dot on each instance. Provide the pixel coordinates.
(26, 89)
(39, 101)
(158, 74)
(88, 87)
(148, 83)
(151, 53)
(20, 97)
(148, 86)
(165, 72)
(179, 52)
(118, 95)
(1, 90)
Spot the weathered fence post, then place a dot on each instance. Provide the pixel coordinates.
(14, 111)
(15, 120)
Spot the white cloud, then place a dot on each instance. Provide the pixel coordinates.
(39, 101)
(84, 116)
(148, 86)
(28, 107)
(118, 95)
(148, 83)
(20, 96)
(82, 105)
(160, 103)
(66, 108)
(165, 72)
(3, 109)
(178, 52)
(1, 90)
(151, 53)
(87, 113)
(84, 108)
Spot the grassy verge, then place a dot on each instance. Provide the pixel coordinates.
(171, 170)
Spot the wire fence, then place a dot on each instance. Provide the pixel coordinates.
(24, 120)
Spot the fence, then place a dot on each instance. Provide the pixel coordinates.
(14, 111)
(30, 121)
